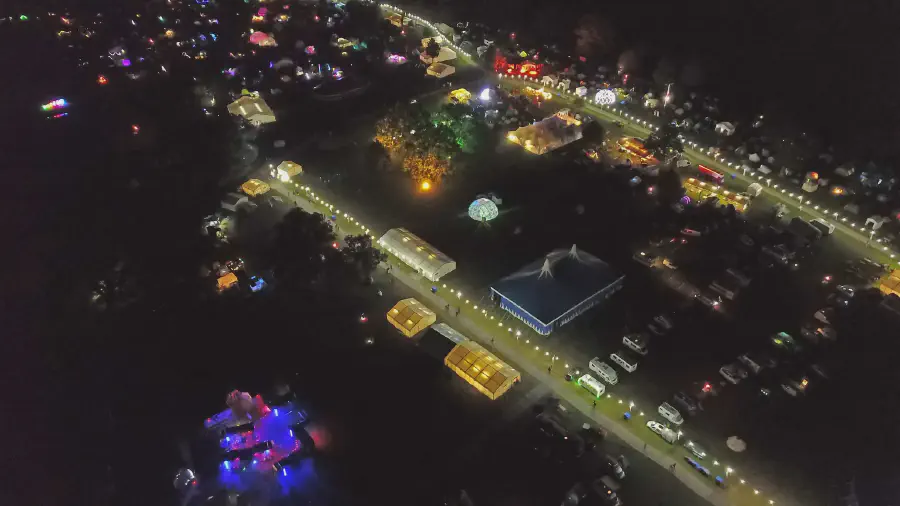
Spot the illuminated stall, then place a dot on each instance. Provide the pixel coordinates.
(701, 190)
(227, 281)
(254, 187)
(481, 369)
(890, 284)
(410, 317)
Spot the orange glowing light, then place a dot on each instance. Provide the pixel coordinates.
(101, 80)
(425, 186)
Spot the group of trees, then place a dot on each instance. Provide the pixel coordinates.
(425, 142)
(303, 252)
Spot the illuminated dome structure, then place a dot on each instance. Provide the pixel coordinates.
(605, 97)
(482, 209)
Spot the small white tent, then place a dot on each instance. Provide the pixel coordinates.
(725, 128)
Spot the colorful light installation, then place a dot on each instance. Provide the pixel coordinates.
(59, 103)
(605, 97)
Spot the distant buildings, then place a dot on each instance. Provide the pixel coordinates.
(252, 108)
(550, 292)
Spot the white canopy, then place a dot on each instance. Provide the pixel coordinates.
(418, 254)
(725, 128)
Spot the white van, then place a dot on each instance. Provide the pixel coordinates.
(671, 414)
(604, 370)
(637, 343)
(625, 360)
(592, 385)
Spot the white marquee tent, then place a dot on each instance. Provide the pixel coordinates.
(418, 254)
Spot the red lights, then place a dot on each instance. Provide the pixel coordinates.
(101, 80)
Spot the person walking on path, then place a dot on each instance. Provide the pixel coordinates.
(645, 447)
(457, 311)
(672, 467)
(595, 404)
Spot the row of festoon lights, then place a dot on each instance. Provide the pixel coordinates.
(429, 25)
(729, 471)
(721, 159)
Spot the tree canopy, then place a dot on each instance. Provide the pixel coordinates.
(665, 144)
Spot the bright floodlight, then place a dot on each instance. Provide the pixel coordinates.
(485, 95)
(605, 97)
(483, 209)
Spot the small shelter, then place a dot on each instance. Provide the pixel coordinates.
(410, 317)
(227, 281)
(481, 369)
(417, 253)
(725, 128)
(440, 70)
(254, 187)
(286, 170)
(262, 39)
(460, 96)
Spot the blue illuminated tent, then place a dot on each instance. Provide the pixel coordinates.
(550, 292)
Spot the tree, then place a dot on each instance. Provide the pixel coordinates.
(428, 167)
(301, 248)
(665, 144)
(360, 253)
(433, 49)
(668, 187)
(593, 35)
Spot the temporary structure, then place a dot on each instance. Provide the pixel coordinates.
(445, 54)
(227, 281)
(252, 108)
(890, 284)
(440, 70)
(725, 128)
(262, 39)
(410, 317)
(461, 96)
(548, 134)
(416, 253)
(286, 170)
(254, 187)
(481, 369)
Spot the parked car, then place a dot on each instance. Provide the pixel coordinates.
(644, 258)
(605, 492)
(825, 315)
(784, 341)
(696, 449)
(846, 290)
(664, 322)
(686, 402)
(714, 304)
(750, 362)
(664, 432)
(730, 374)
(614, 467)
(823, 226)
